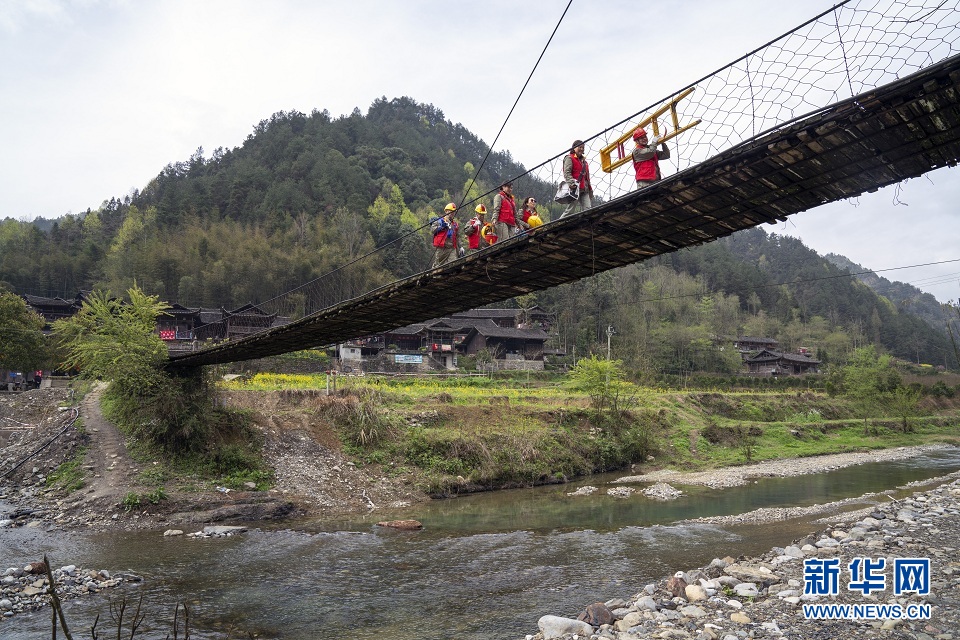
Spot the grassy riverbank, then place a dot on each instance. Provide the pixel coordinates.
(466, 434)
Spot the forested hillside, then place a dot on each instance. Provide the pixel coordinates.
(674, 312)
(301, 196)
(905, 296)
(305, 194)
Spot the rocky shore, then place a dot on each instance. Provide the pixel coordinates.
(764, 597)
(27, 588)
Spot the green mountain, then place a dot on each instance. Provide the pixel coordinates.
(905, 296)
(305, 194)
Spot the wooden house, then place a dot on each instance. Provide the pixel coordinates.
(773, 363)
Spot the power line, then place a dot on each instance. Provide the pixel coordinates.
(472, 181)
(515, 102)
(780, 284)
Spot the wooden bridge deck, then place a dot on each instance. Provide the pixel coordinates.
(897, 131)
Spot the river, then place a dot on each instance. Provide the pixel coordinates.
(484, 566)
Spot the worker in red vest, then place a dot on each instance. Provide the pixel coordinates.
(529, 218)
(577, 173)
(646, 158)
(446, 237)
(505, 212)
(473, 228)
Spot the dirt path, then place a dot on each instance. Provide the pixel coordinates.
(111, 470)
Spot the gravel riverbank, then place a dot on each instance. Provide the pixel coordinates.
(764, 597)
(787, 467)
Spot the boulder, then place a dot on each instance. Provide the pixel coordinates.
(556, 627)
(596, 614)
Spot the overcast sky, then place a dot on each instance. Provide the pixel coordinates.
(96, 97)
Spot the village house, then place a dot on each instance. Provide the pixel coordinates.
(181, 328)
(509, 338)
(748, 343)
(774, 363)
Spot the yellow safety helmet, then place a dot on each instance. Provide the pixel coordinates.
(481, 209)
(450, 207)
(534, 221)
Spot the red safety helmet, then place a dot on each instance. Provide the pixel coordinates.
(639, 133)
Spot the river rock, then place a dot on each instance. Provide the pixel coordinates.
(676, 585)
(36, 568)
(556, 627)
(406, 525)
(596, 614)
(632, 619)
(746, 573)
(172, 532)
(740, 618)
(694, 592)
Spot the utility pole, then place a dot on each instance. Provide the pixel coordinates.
(610, 332)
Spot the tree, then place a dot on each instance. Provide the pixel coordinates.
(22, 344)
(903, 402)
(600, 379)
(868, 380)
(114, 341)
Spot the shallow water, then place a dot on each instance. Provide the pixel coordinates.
(485, 566)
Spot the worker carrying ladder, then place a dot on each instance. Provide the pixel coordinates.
(608, 163)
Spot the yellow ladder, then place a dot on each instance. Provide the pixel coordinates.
(608, 163)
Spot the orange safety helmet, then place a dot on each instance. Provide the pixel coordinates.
(488, 233)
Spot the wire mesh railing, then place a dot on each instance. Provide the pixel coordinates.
(845, 51)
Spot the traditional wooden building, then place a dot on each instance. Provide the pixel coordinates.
(773, 363)
(53, 309)
(443, 339)
(750, 343)
(178, 323)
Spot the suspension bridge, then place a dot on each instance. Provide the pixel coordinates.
(863, 96)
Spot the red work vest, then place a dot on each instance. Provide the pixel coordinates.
(508, 210)
(474, 238)
(445, 233)
(648, 169)
(580, 172)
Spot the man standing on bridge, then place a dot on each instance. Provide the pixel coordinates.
(577, 173)
(446, 238)
(505, 212)
(646, 158)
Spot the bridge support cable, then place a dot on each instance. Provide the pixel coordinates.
(493, 144)
(835, 63)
